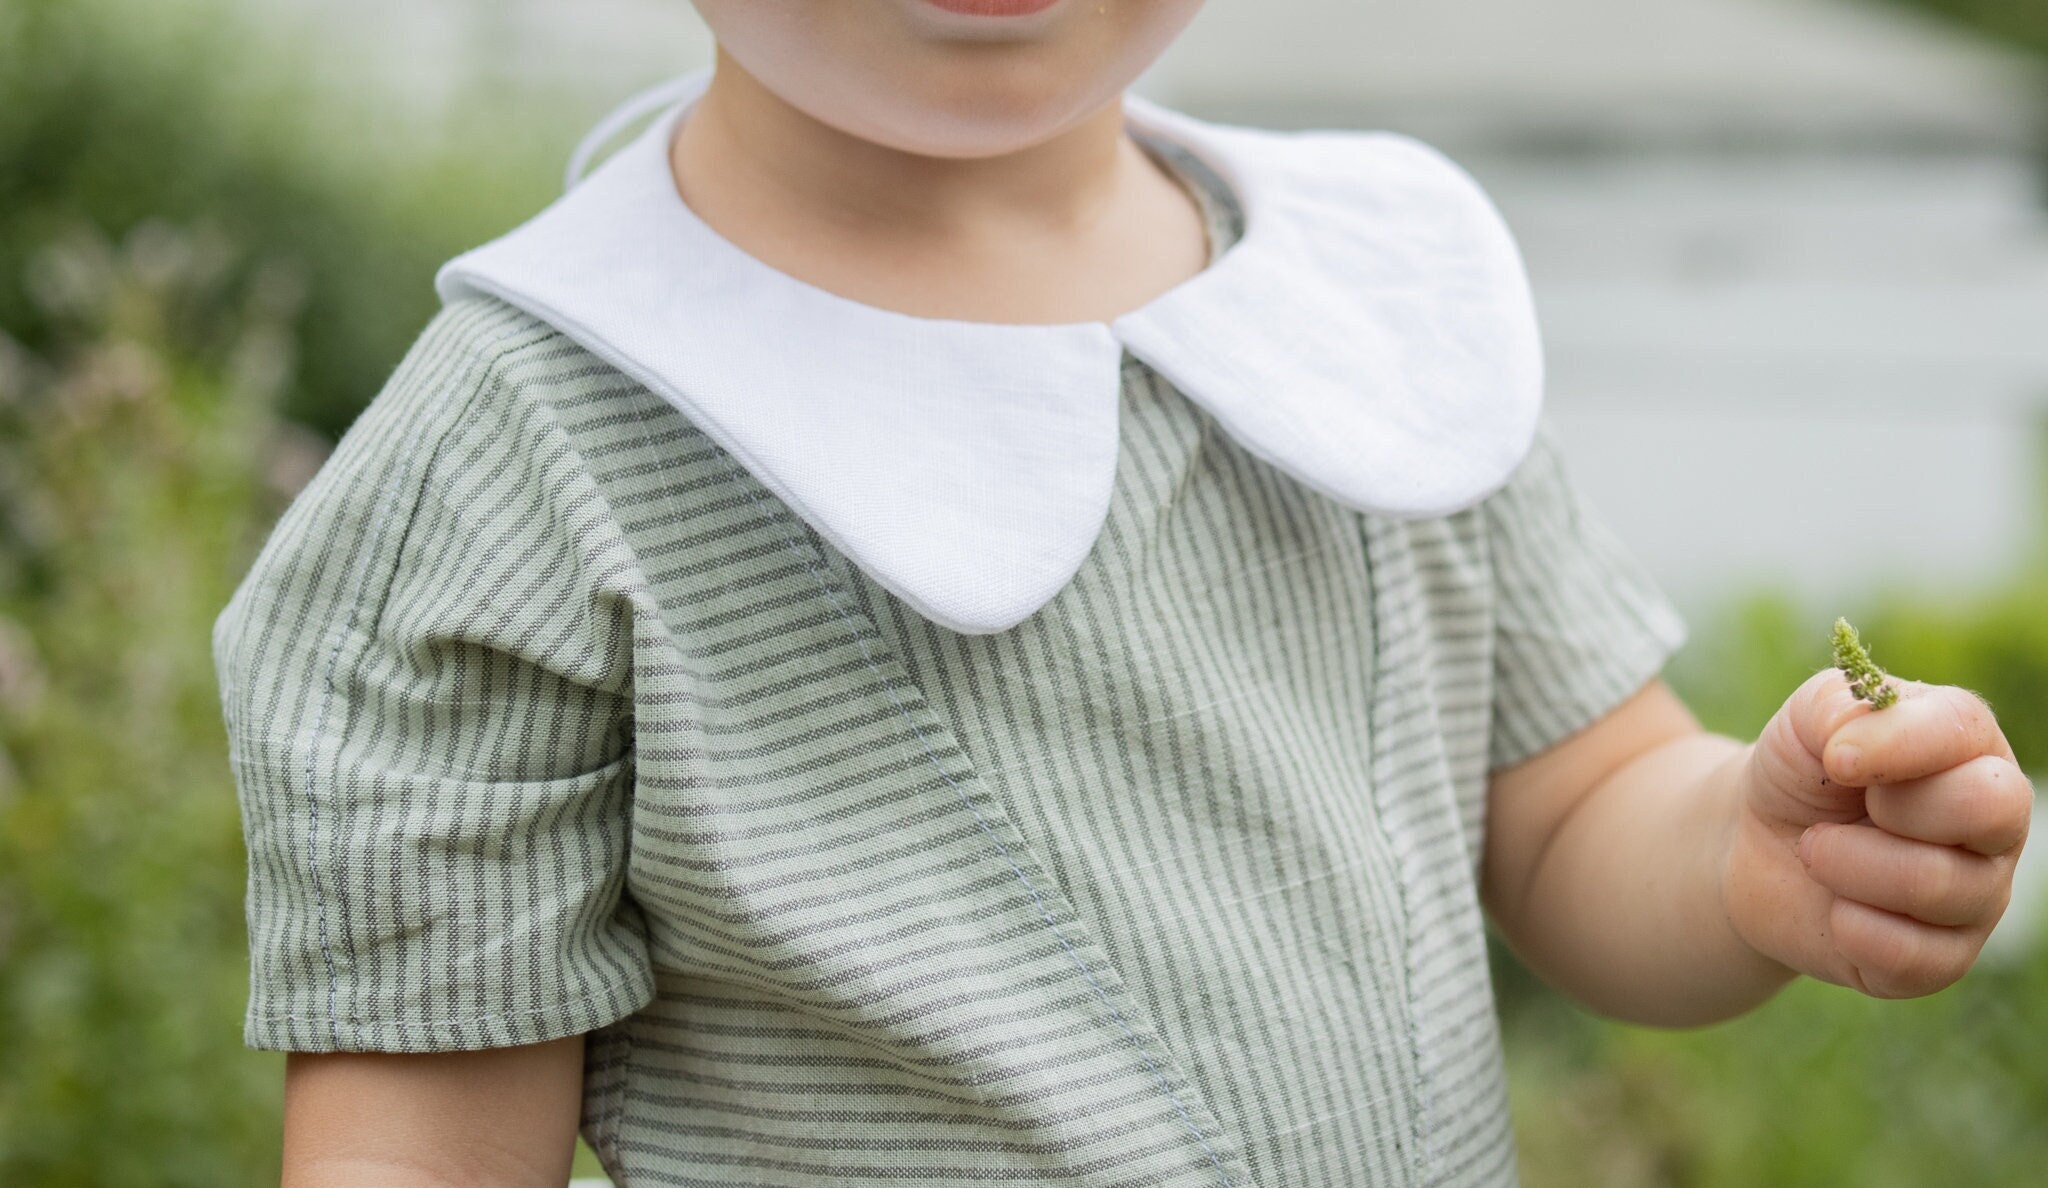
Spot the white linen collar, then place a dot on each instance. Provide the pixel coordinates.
(1371, 334)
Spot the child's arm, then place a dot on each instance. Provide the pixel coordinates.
(499, 1116)
(1654, 871)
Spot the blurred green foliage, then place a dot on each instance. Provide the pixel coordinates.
(112, 112)
(133, 451)
(199, 263)
(2022, 22)
(1819, 1087)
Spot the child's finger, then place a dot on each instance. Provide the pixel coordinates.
(1942, 885)
(1787, 755)
(1985, 805)
(1895, 957)
(1931, 729)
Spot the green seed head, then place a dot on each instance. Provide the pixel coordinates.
(1866, 679)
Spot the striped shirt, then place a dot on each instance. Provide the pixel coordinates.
(547, 718)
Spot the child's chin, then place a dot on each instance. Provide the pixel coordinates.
(966, 134)
(950, 114)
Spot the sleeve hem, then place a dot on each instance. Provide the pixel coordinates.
(1646, 655)
(285, 1032)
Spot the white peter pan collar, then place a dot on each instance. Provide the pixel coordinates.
(1371, 334)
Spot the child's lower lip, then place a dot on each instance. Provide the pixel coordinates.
(993, 8)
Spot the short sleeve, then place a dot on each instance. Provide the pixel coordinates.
(1579, 624)
(426, 690)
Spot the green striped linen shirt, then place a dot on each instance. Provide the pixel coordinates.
(547, 718)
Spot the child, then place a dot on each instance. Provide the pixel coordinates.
(929, 622)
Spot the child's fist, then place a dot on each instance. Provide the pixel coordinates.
(1875, 849)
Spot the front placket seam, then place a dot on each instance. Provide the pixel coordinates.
(860, 638)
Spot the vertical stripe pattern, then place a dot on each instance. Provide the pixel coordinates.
(547, 719)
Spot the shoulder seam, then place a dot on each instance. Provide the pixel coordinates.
(424, 460)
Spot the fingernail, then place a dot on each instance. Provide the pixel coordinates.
(1847, 759)
(1806, 843)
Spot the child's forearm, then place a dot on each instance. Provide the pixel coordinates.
(1604, 867)
(501, 1116)
(1620, 905)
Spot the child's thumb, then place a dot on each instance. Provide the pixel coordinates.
(1788, 782)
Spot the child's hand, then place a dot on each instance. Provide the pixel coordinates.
(1875, 849)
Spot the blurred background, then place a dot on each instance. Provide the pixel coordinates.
(1791, 259)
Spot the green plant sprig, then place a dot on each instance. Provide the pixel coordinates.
(1866, 679)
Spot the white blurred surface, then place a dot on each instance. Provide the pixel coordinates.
(2024, 927)
(1828, 374)
(1604, 70)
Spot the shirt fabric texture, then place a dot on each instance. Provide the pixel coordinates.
(547, 717)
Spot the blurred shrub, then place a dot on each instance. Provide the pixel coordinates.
(2022, 22)
(116, 111)
(1820, 1087)
(140, 459)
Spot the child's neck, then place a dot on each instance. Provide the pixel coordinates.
(1081, 227)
